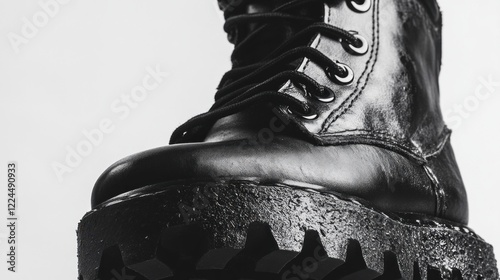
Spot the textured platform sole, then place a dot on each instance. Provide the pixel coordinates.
(241, 230)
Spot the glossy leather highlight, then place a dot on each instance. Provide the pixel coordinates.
(381, 176)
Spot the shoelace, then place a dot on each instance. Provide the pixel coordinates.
(258, 82)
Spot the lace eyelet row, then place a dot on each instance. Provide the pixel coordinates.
(360, 48)
(339, 73)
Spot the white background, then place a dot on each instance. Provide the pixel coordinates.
(64, 79)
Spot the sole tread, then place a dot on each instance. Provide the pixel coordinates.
(260, 259)
(258, 233)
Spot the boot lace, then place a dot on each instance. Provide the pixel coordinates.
(259, 82)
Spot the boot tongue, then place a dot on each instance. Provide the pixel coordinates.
(266, 37)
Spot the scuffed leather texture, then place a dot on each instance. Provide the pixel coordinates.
(382, 139)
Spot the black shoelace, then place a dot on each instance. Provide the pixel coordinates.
(260, 81)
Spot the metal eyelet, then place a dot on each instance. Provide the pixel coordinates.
(363, 49)
(327, 95)
(359, 7)
(342, 80)
(309, 115)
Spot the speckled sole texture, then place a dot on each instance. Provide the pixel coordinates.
(244, 230)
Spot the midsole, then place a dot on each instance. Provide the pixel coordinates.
(409, 218)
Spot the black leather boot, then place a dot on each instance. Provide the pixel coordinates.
(325, 156)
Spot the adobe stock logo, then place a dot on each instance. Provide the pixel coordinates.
(121, 108)
(486, 88)
(31, 26)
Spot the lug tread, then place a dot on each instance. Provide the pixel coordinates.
(182, 254)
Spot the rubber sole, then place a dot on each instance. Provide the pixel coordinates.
(248, 231)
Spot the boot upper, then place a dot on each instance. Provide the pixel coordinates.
(373, 132)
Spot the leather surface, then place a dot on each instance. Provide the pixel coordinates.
(381, 177)
(382, 139)
(451, 195)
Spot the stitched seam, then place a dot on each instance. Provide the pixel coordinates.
(438, 191)
(385, 143)
(443, 139)
(366, 130)
(357, 91)
(441, 203)
(378, 135)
